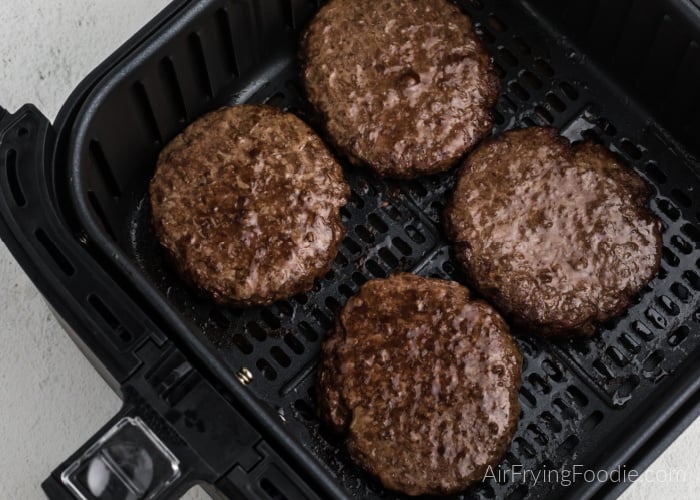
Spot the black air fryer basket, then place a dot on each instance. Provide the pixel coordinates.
(223, 397)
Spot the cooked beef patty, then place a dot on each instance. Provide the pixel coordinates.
(558, 237)
(246, 200)
(423, 383)
(404, 86)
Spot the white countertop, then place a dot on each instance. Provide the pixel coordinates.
(51, 398)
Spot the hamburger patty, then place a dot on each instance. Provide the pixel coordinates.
(423, 383)
(403, 86)
(558, 237)
(246, 201)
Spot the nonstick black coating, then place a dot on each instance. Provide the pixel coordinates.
(578, 397)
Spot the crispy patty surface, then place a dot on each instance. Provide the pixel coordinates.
(558, 237)
(423, 383)
(404, 86)
(246, 201)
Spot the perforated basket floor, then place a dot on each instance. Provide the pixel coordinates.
(578, 396)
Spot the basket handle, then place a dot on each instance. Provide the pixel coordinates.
(136, 455)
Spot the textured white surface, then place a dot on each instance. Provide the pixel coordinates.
(51, 398)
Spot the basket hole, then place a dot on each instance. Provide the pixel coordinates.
(496, 24)
(523, 448)
(669, 209)
(554, 102)
(669, 305)
(681, 292)
(321, 318)
(13, 179)
(308, 331)
(500, 72)
(656, 318)
(356, 200)
(678, 335)
(124, 335)
(592, 421)
(568, 90)
(521, 45)
(543, 68)
(364, 234)
(271, 490)
(101, 215)
(519, 91)
(332, 304)
(552, 370)
(341, 260)
(219, 319)
(266, 369)
(565, 410)
(350, 244)
(606, 126)
(104, 169)
(346, 291)
(629, 343)
(602, 369)
(627, 388)
(652, 169)
(653, 361)
(507, 57)
(23, 132)
(415, 234)
(359, 279)
(224, 26)
(537, 435)
(476, 4)
(681, 244)
(616, 356)
(104, 311)
(294, 344)
(527, 398)
(569, 444)
(681, 197)
(631, 149)
(392, 212)
(692, 279)
(578, 397)
(388, 258)
(545, 115)
(242, 344)
(257, 332)
(280, 356)
(448, 268)
(529, 79)
(551, 421)
(642, 331)
(484, 34)
(539, 383)
(145, 109)
(402, 246)
(592, 136)
(272, 320)
(375, 269)
(304, 409)
(670, 258)
(498, 118)
(377, 223)
(691, 232)
(58, 257)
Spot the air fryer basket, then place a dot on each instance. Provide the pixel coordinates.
(623, 73)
